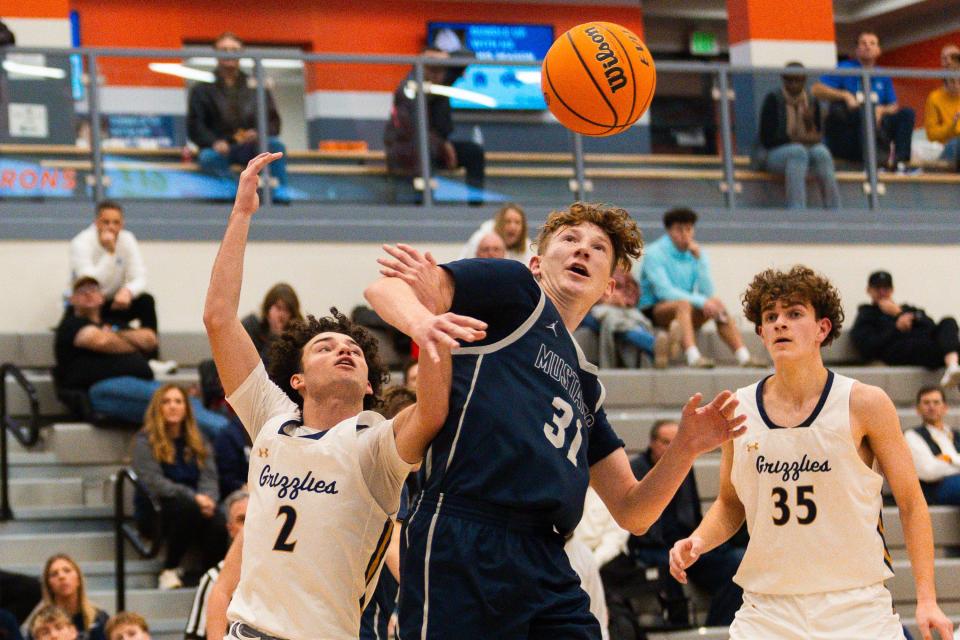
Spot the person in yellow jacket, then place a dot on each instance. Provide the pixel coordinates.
(941, 116)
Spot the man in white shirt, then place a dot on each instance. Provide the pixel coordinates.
(109, 253)
(934, 447)
(325, 475)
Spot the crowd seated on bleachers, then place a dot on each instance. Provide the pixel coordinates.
(843, 127)
(935, 448)
(510, 223)
(623, 330)
(676, 284)
(902, 334)
(222, 119)
(109, 254)
(941, 119)
(235, 508)
(64, 588)
(127, 625)
(176, 465)
(791, 141)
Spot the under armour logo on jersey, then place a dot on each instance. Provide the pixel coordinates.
(753, 446)
(553, 327)
(263, 452)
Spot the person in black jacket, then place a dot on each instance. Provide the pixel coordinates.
(222, 119)
(714, 571)
(903, 334)
(791, 142)
(400, 135)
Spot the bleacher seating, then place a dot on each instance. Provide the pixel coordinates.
(61, 490)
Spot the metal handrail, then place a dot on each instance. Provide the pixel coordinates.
(721, 72)
(124, 530)
(27, 435)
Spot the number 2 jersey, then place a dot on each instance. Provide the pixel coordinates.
(812, 504)
(525, 420)
(318, 521)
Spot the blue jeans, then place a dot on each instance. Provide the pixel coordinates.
(948, 491)
(217, 165)
(126, 398)
(794, 161)
(640, 338)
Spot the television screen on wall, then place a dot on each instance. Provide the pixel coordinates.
(499, 86)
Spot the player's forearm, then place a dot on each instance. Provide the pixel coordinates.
(223, 294)
(651, 495)
(918, 533)
(396, 303)
(217, 621)
(721, 521)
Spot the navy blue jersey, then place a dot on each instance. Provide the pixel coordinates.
(525, 422)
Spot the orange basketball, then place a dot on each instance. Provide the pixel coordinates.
(598, 78)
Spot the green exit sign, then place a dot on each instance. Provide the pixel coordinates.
(703, 43)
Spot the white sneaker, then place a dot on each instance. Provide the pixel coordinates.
(162, 367)
(169, 579)
(951, 377)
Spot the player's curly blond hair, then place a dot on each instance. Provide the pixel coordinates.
(799, 285)
(623, 232)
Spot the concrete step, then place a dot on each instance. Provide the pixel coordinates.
(150, 603)
(58, 520)
(947, 581)
(41, 492)
(35, 548)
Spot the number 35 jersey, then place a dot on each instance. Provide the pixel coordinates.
(318, 521)
(812, 505)
(525, 422)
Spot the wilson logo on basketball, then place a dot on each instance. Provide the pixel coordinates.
(616, 80)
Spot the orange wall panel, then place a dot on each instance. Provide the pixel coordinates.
(340, 26)
(35, 8)
(792, 20)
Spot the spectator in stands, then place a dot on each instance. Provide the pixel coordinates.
(678, 521)
(903, 334)
(844, 124)
(941, 117)
(9, 629)
(222, 119)
(65, 588)
(18, 594)
(791, 137)
(491, 246)
(675, 284)
(107, 362)
(108, 253)
(935, 448)
(127, 625)
(400, 134)
(7, 39)
(410, 370)
(280, 306)
(176, 464)
(231, 447)
(52, 623)
(623, 325)
(510, 223)
(235, 507)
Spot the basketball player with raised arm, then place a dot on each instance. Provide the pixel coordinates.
(507, 475)
(325, 475)
(806, 476)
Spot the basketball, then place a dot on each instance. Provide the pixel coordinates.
(598, 78)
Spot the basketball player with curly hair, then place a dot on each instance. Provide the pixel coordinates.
(325, 474)
(507, 475)
(806, 477)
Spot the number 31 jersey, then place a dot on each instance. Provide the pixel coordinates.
(525, 422)
(812, 505)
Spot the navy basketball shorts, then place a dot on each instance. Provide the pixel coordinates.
(466, 574)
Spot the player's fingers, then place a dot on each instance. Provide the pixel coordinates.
(924, 627)
(692, 404)
(466, 321)
(945, 630)
(430, 259)
(400, 255)
(720, 400)
(410, 251)
(461, 333)
(729, 408)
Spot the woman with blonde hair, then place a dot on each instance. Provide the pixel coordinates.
(63, 586)
(510, 223)
(176, 464)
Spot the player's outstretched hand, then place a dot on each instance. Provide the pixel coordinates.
(441, 332)
(705, 428)
(417, 270)
(930, 617)
(683, 554)
(247, 200)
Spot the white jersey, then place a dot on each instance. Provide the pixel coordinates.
(812, 505)
(319, 518)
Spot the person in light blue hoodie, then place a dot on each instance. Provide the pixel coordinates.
(676, 287)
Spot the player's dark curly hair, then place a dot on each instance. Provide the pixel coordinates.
(286, 353)
(623, 232)
(800, 285)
